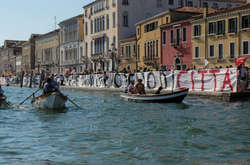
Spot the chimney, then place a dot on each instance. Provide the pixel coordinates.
(205, 11)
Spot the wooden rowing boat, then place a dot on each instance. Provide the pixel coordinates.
(54, 100)
(173, 97)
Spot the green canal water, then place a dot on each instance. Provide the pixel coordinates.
(110, 131)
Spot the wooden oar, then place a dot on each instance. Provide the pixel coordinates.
(29, 96)
(74, 103)
(69, 99)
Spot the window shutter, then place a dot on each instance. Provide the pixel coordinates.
(223, 27)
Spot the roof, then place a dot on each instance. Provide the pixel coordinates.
(89, 4)
(182, 9)
(69, 19)
(51, 32)
(241, 7)
(133, 37)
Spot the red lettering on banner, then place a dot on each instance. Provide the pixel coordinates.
(227, 81)
(202, 72)
(192, 78)
(178, 79)
(214, 71)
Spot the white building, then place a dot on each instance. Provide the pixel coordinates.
(109, 21)
(70, 44)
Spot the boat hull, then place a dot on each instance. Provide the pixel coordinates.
(174, 97)
(53, 100)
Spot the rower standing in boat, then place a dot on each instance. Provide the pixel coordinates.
(140, 88)
(50, 86)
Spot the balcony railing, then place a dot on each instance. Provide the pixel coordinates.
(150, 58)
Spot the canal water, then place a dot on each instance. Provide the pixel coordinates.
(110, 131)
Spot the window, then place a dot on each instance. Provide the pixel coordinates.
(178, 37)
(229, 5)
(128, 51)
(197, 52)
(114, 41)
(151, 26)
(92, 26)
(184, 34)
(114, 20)
(107, 40)
(124, 2)
(167, 20)
(172, 36)
(212, 28)
(245, 22)
(170, 2)
(91, 49)
(205, 4)
(215, 5)
(197, 30)
(107, 17)
(122, 51)
(107, 3)
(232, 25)
(211, 51)
(164, 37)
(86, 28)
(125, 19)
(156, 48)
(245, 48)
(86, 49)
(232, 50)
(190, 4)
(159, 3)
(113, 2)
(220, 51)
(221, 27)
(138, 31)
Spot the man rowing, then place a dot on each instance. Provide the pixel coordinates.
(50, 86)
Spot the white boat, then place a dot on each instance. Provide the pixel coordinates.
(172, 97)
(54, 100)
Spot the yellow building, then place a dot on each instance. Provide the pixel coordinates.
(148, 34)
(47, 52)
(128, 57)
(221, 37)
(28, 54)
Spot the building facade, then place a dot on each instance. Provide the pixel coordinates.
(128, 57)
(71, 36)
(209, 3)
(149, 36)
(28, 54)
(219, 38)
(47, 52)
(9, 52)
(177, 41)
(109, 21)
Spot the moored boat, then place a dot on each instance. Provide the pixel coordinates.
(54, 100)
(172, 97)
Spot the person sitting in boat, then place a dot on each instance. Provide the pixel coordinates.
(50, 86)
(1, 91)
(140, 88)
(131, 88)
(158, 90)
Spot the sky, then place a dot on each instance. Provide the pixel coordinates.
(20, 18)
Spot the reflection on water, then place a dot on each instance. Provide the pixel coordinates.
(108, 130)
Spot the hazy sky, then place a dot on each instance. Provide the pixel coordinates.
(20, 18)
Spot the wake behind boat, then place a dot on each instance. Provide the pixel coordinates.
(53, 100)
(173, 97)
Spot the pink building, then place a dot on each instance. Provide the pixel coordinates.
(177, 45)
(177, 40)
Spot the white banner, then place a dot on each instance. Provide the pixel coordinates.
(210, 80)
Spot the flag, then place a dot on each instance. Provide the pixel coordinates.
(206, 62)
(241, 60)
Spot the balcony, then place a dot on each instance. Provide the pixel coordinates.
(150, 60)
(97, 57)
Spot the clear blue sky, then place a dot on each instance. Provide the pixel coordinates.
(20, 18)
